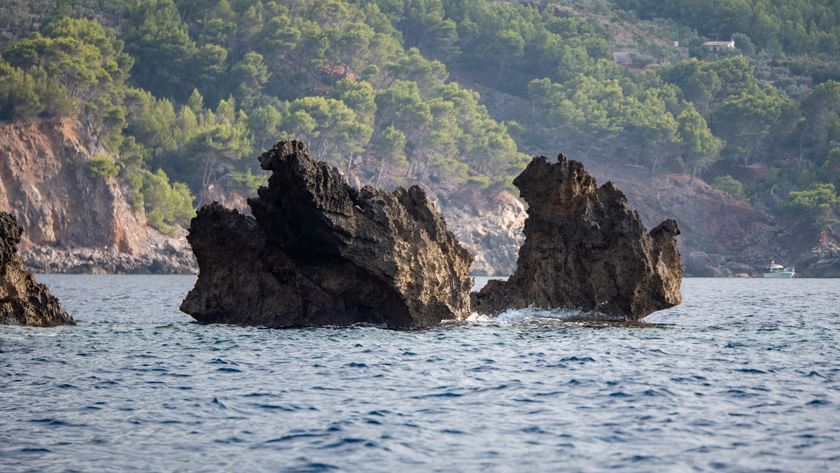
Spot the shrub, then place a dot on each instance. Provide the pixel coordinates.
(731, 186)
(481, 181)
(103, 166)
(819, 201)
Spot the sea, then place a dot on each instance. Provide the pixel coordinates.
(744, 376)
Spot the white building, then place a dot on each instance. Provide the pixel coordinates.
(720, 45)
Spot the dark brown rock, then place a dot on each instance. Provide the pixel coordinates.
(22, 300)
(320, 252)
(585, 248)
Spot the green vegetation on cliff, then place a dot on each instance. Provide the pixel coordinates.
(187, 91)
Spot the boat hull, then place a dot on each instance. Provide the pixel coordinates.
(779, 275)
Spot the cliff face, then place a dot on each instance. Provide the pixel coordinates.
(22, 300)
(725, 236)
(320, 252)
(585, 248)
(74, 221)
(721, 235)
(490, 228)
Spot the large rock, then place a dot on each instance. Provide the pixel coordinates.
(320, 252)
(585, 248)
(22, 300)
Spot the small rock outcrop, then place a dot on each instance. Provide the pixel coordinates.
(585, 248)
(320, 252)
(22, 300)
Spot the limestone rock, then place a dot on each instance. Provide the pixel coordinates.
(489, 228)
(22, 300)
(585, 248)
(320, 252)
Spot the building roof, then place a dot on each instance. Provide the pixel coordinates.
(724, 44)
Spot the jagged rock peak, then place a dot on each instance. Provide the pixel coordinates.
(22, 300)
(585, 248)
(321, 252)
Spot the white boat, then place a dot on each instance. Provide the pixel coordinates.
(779, 271)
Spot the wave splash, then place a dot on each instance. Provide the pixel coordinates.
(533, 314)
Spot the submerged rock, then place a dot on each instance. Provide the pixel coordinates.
(22, 300)
(320, 252)
(585, 248)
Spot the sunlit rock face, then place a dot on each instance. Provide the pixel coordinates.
(585, 248)
(318, 251)
(22, 300)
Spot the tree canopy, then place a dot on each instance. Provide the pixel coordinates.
(182, 93)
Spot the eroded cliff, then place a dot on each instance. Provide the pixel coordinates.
(75, 221)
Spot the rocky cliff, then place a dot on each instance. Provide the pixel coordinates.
(489, 227)
(723, 235)
(320, 252)
(585, 248)
(22, 300)
(75, 221)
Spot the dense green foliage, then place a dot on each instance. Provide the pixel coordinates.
(731, 186)
(757, 105)
(794, 26)
(191, 90)
(103, 166)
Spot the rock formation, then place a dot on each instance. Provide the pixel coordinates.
(320, 252)
(22, 300)
(585, 248)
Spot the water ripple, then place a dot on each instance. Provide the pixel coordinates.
(744, 376)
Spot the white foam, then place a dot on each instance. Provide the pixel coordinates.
(532, 314)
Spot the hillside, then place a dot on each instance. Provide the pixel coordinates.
(76, 220)
(178, 97)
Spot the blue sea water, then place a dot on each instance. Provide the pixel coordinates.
(743, 377)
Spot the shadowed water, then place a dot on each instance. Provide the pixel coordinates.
(744, 376)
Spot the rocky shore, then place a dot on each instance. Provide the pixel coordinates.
(22, 300)
(76, 221)
(165, 258)
(490, 229)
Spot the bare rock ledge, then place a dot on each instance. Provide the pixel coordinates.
(22, 300)
(320, 252)
(585, 248)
